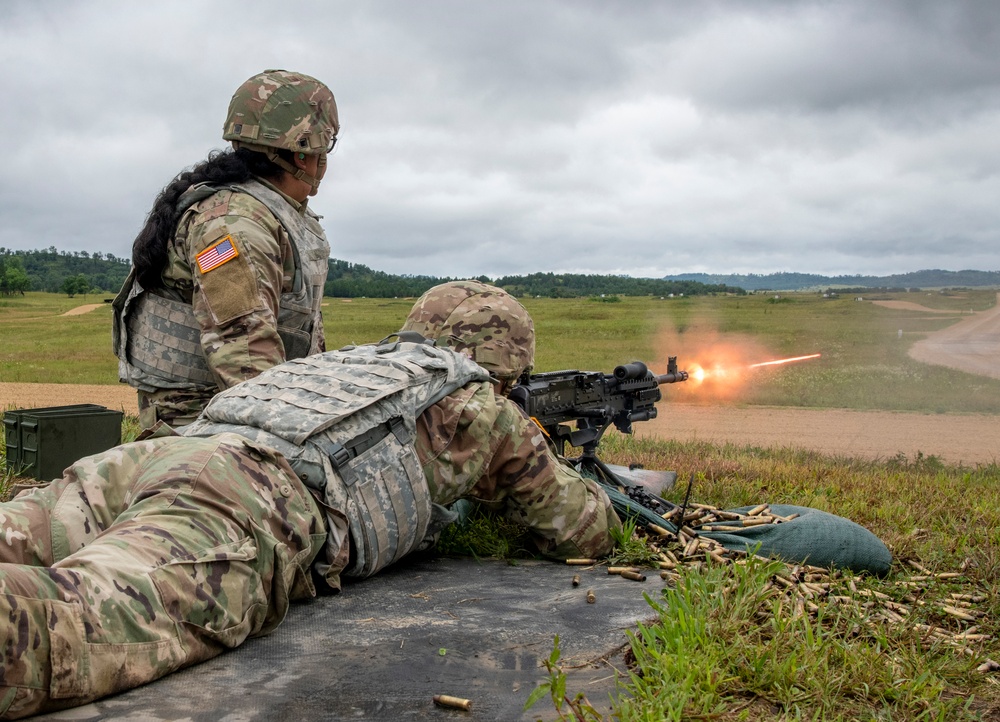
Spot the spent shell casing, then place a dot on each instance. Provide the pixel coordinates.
(576, 580)
(634, 576)
(967, 637)
(590, 596)
(621, 570)
(757, 510)
(659, 530)
(581, 562)
(958, 613)
(445, 700)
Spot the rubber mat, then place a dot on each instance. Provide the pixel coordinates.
(381, 649)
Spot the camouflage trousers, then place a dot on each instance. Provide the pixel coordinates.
(144, 559)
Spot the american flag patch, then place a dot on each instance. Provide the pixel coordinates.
(215, 256)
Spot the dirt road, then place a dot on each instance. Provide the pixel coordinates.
(972, 344)
(967, 438)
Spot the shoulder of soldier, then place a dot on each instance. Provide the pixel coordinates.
(231, 206)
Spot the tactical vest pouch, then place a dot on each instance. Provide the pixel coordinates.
(297, 343)
(391, 503)
(165, 338)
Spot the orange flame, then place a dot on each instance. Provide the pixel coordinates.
(719, 365)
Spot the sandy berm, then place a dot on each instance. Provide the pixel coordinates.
(972, 345)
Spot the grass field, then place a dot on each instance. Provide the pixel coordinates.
(863, 362)
(725, 646)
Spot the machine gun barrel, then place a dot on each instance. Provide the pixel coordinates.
(639, 370)
(672, 377)
(673, 374)
(592, 399)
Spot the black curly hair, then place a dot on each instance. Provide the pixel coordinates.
(149, 250)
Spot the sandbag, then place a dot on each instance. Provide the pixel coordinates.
(815, 537)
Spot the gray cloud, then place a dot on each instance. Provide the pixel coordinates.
(620, 137)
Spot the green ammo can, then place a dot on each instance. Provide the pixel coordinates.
(41, 443)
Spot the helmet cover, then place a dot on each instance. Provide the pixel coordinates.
(484, 322)
(282, 109)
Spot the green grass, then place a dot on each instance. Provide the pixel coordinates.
(864, 363)
(723, 648)
(42, 346)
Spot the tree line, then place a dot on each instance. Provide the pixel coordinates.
(785, 281)
(58, 271)
(81, 272)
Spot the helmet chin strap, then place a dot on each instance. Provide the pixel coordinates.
(297, 173)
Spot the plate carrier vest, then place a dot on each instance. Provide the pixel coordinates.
(346, 422)
(158, 339)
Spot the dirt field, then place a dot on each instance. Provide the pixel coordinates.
(972, 345)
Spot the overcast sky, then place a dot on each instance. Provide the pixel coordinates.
(644, 138)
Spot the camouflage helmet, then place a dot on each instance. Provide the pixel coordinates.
(482, 321)
(282, 109)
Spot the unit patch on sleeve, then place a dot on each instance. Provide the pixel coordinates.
(214, 256)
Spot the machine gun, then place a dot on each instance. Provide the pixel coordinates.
(595, 401)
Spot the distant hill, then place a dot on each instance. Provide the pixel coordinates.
(797, 281)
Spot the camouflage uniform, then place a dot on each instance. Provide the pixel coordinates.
(165, 552)
(247, 309)
(236, 304)
(145, 559)
(476, 444)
